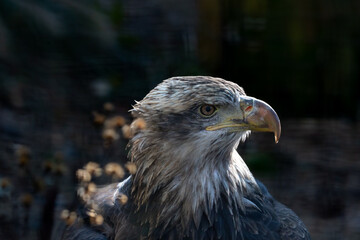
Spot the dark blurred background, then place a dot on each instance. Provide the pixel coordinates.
(70, 69)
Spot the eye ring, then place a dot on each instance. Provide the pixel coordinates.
(207, 110)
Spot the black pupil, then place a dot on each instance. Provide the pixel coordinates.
(207, 110)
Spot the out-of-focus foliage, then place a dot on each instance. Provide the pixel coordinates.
(73, 44)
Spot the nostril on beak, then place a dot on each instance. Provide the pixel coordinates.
(248, 108)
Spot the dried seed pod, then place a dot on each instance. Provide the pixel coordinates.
(127, 132)
(84, 194)
(83, 175)
(114, 170)
(71, 219)
(98, 172)
(91, 213)
(64, 214)
(110, 135)
(91, 188)
(94, 217)
(109, 107)
(98, 220)
(122, 199)
(139, 124)
(131, 167)
(114, 122)
(91, 167)
(119, 121)
(99, 118)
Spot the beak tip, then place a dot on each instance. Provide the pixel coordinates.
(277, 133)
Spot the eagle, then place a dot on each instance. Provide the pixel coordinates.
(190, 182)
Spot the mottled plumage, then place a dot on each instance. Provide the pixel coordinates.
(190, 182)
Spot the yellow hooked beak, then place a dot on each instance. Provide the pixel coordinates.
(253, 114)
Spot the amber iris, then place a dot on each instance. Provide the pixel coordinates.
(207, 110)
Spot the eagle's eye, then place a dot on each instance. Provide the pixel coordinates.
(207, 110)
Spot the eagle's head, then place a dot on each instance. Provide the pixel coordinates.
(204, 110)
(187, 155)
